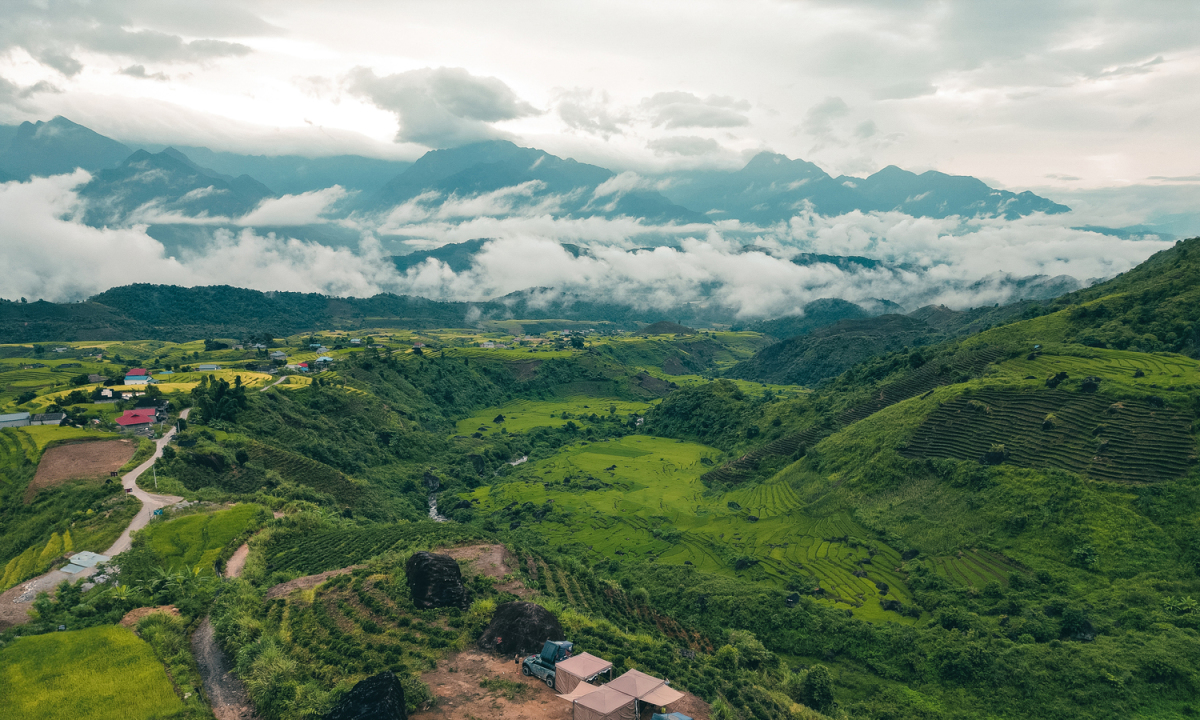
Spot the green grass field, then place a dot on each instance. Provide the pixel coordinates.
(101, 673)
(642, 497)
(524, 415)
(197, 540)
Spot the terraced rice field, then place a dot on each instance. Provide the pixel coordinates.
(1162, 373)
(915, 383)
(641, 497)
(1132, 441)
(975, 568)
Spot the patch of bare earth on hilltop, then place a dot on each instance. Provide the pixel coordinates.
(494, 561)
(307, 582)
(456, 685)
(134, 616)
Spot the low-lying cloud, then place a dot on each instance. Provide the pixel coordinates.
(751, 272)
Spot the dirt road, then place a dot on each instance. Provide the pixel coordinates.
(225, 692)
(150, 501)
(16, 602)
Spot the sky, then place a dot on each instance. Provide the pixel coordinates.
(1092, 104)
(1063, 95)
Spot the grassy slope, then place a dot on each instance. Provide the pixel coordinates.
(86, 673)
(195, 541)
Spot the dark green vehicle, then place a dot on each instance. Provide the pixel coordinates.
(542, 665)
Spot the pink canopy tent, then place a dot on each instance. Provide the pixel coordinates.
(580, 668)
(604, 703)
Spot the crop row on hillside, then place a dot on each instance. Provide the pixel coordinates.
(1131, 441)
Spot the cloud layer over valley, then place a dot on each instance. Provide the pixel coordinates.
(750, 271)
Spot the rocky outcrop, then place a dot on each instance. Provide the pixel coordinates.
(379, 697)
(519, 628)
(435, 581)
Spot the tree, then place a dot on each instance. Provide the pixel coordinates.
(577, 342)
(498, 419)
(817, 691)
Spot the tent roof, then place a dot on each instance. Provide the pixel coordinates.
(635, 684)
(661, 695)
(580, 690)
(604, 700)
(584, 665)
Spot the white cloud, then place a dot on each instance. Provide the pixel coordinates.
(49, 254)
(304, 209)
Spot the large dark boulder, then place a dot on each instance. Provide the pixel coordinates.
(435, 581)
(520, 628)
(379, 697)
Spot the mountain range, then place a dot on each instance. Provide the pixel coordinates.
(771, 187)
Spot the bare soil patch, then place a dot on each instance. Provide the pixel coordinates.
(306, 582)
(494, 561)
(134, 616)
(237, 561)
(455, 683)
(79, 460)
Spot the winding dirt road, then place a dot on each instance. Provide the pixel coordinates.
(16, 602)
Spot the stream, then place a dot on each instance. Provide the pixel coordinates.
(434, 515)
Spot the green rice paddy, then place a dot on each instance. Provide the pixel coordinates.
(101, 673)
(525, 415)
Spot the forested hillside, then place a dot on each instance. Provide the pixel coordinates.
(1000, 524)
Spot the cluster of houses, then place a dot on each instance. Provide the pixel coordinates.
(24, 419)
(138, 376)
(142, 418)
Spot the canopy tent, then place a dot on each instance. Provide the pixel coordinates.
(661, 696)
(635, 684)
(670, 716)
(581, 668)
(580, 690)
(604, 703)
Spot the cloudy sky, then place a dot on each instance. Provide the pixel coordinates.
(1092, 104)
(1062, 95)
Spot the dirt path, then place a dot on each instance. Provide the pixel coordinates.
(237, 561)
(268, 387)
(150, 501)
(306, 582)
(224, 690)
(16, 602)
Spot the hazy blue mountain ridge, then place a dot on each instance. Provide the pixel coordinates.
(560, 185)
(172, 182)
(58, 146)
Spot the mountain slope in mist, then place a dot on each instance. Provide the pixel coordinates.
(556, 185)
(773, 187)
(172, 183)
(56, 147)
